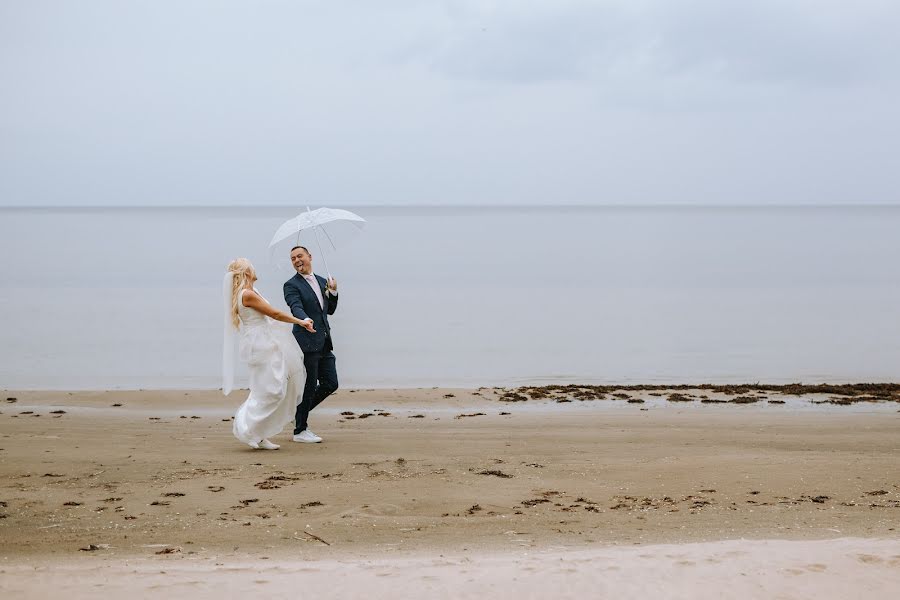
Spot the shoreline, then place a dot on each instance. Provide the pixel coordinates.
(787, 385)
(845, 393)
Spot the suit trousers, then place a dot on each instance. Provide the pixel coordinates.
(321, 382)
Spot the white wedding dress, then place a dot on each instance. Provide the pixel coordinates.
(277, 376)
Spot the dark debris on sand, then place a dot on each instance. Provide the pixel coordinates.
(464, 415)
(496, 473)
(842, 394)
(534, 502)
(676, 397)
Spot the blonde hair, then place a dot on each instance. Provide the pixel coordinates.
(242, 277)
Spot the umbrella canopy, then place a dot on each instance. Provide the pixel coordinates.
(330, 224)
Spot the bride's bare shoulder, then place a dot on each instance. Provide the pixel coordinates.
(249, 297)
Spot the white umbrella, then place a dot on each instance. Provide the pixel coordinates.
(340, 222)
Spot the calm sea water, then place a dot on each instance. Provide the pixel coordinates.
(130, 298)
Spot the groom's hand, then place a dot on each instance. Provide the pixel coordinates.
(307, 324)
(332, 285)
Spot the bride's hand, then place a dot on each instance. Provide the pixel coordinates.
(307, 324)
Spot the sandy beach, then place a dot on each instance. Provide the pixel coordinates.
(414, 489)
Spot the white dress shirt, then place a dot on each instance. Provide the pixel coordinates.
(314, 283)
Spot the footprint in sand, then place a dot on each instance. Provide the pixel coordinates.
(378, 510)
(869, 559)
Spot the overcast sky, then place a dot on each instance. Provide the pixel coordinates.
(210, 102)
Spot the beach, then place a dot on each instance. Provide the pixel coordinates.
(612, 296)
(416, 486)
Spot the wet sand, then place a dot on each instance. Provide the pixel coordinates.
(159, 483)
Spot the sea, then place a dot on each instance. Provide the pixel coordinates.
(130, 298)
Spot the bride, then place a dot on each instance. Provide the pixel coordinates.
(275, 362)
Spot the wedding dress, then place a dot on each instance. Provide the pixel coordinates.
(277, 376)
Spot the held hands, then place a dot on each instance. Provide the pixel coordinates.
(307, 324)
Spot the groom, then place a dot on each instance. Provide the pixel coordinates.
(310, 296)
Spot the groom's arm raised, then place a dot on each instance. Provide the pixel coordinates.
(292, 299)
(331, 292)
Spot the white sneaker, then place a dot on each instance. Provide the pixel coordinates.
(267, 445)
(254, 445)
(307, 437)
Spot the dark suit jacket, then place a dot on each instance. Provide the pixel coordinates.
(300, 297)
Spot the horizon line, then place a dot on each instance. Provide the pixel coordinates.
(456, 206)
